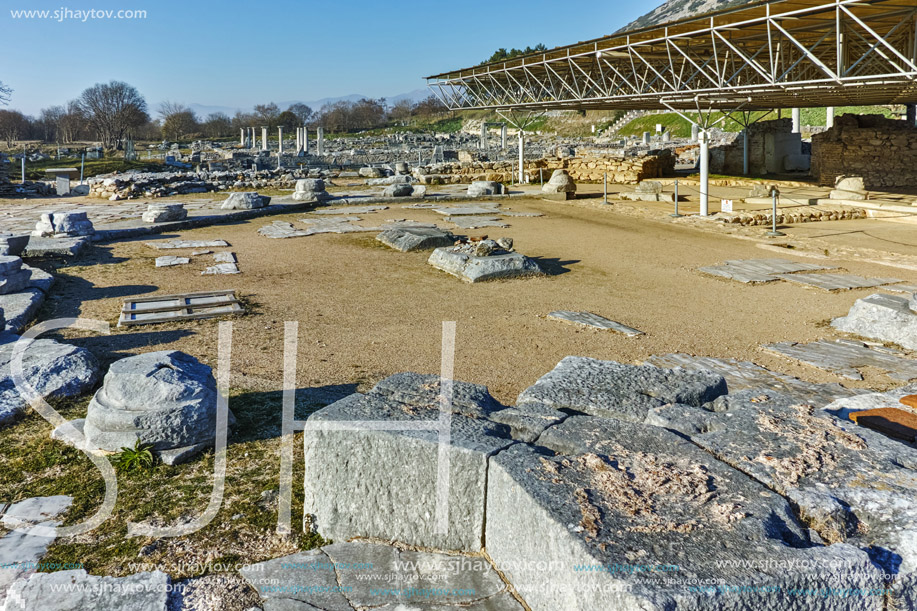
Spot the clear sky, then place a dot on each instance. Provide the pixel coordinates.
(237, 54)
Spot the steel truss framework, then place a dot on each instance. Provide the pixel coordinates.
(776, 54)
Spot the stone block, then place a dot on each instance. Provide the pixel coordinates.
(161, 213)
(13, 244)
(481, 188)
(76, 590)
(245, 201)
(21, 308)
(481, 269)
(409, 239)
(888, 318)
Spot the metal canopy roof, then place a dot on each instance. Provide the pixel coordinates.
(764, 55)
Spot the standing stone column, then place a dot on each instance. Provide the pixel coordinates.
(279, 143)
(695, 132)
(305, 140)
(830, 117)
(797, 120)
(252, 142)
(242, 136)
(321, 141)
(264, 146)
(521, 156)
(503, 136)
(483, 136)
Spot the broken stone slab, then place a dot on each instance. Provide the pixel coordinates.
(34, 529)
(221, 269)
(481, 269)
(643, 513)
(409, 239)
(744, 375)
(849, 484)
(902, 288)
(76, 589)
(63, 224)
(588, 319)
(615, 390)
(476, 222)
(13, 244)
(845, 357)
(888, 318)
(59, 247)
(351, 210)
(398, 190)
(225, 257)
(35, 510)
(279, 230)
(245, 201)
(372, 463)
(162, 213)
(481, 188)
(178, 244)
(166, 399)
(468, 209)
(837, 282)
(760, 270)
(170, 261)
(21, 308)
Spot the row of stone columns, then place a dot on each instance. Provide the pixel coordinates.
(247, 136)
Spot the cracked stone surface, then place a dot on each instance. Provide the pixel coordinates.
(360, 575)
(588, 319)
(850, 484)
(170, 261)
(743, 375)
(845, 357)
(409, 239)
(614, 390)
(76, 590)
(481, 269)
(752, 271)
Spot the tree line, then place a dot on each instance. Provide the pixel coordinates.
(111, 112)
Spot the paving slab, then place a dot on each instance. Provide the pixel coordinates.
(20, 309)
(467, 210)
(225, 257)
(845, 357)
(744, 375)
(751, 271)
(588, 319)
(361, 575)
(170, 261)
(60, 247)
(221, 269)
(902, 288)
(177, 244)
(77, 590)
(888, 318)
(476, 222)
(837, 282)
(350, 210)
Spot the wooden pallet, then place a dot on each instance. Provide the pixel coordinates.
(172, 308)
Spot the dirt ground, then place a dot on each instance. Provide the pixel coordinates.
(366, 312)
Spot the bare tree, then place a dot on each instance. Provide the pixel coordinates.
(112, 110)
(302, 112)
(177, 120)
(218, 125)
(6, 93)
(13, 125)
(267, 114)
(72, 123)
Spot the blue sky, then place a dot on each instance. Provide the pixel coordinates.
(238, 54)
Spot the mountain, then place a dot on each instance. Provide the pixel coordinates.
(202, 110)
(673, 10)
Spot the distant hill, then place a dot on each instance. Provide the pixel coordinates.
(202, 110)
(680, 9)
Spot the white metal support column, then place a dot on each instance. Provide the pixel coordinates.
(521, 156)
(797, 120)
(829, 121)
(704, 172)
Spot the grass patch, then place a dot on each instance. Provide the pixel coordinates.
(35, 170)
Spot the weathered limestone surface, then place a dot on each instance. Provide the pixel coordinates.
(614, 390)
(560, 182)
(13, 244)
(63, 224)
(76, 590)
(480, 188)
(480, 269)
(620, 497)
(166, 399)
(382, 483)
(884, 317)
(311, 190)
(245, 201)
(161, 213)
(408, 239)
(51, 368)
(348, 576)
(850, 484)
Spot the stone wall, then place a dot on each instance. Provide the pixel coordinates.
(883, 151)
(585, 168)
(770, 142)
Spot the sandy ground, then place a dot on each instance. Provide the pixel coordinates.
(366, 312)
